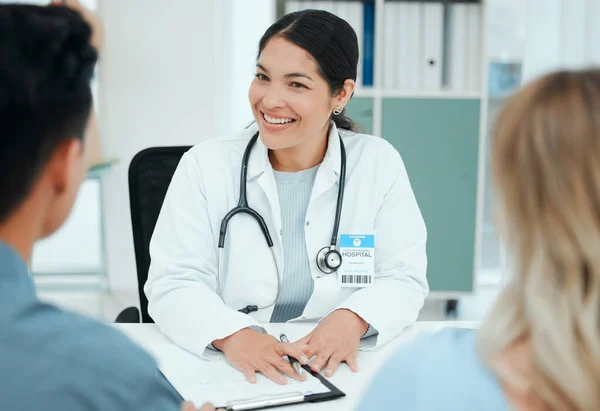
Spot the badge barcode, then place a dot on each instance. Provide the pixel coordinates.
(356, 279)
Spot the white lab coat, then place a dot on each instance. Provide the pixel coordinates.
(181, 286)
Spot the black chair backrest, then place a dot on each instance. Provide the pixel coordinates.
(150, 173)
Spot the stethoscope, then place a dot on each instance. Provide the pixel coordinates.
(329, 258)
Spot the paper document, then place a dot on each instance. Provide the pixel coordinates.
(218, 382)
(220, 394)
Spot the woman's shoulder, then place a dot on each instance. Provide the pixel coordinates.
(444, 349)
(440, 369)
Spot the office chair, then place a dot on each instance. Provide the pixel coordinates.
(150, 173)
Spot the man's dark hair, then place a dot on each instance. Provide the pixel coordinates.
(46, 65)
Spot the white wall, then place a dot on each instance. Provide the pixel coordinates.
(157, 87)
(240, 37)
(169, 74)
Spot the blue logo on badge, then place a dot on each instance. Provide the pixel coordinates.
(357, 240)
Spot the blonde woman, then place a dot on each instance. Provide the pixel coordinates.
(539, 347)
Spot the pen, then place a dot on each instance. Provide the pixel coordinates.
(292, 360)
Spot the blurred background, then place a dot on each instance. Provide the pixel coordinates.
(432, 77)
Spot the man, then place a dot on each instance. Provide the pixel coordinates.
(52, 359)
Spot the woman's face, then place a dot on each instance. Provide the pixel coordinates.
(290, 101)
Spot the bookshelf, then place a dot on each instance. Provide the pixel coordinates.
(439, 132)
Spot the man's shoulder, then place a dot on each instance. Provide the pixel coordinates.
(66, 358)
(82, 340)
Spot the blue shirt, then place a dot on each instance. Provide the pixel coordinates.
(54, 360)
(297, 286)
(436, 372)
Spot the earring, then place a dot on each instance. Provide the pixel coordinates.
(338, 110)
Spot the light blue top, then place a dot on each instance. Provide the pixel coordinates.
(294, 191)
(436, 372)
(54, 360)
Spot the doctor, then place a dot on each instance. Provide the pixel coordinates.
(347, 236)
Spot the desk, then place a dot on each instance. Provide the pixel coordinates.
(149, 337)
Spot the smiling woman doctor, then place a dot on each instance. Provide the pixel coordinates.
(326, 195)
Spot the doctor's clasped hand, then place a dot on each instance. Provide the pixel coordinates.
(250, 351)
(335, 340)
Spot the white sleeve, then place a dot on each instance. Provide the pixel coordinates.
(400, 288)
(182, 279)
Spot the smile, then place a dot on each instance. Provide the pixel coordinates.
(277, 120)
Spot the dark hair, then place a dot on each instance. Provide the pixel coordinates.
(46, 65)
(330, 40)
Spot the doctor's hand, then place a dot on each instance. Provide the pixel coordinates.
(336, 339)
(250, 351)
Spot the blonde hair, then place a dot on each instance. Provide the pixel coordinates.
(546, 161)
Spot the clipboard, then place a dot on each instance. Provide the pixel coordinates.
(259, 403)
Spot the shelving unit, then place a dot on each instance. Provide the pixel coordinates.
(440, 135)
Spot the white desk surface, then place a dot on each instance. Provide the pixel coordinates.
(353, 385)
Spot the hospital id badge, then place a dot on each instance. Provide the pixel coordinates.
(358, 260)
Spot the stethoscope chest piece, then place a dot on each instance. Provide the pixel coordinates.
(329, 260)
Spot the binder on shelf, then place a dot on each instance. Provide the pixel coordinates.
(321, 5)
(390, 42)
(292, 6)
(457, 55)
(368, 43)
(473, 47)
(335, 7)
(352, 12)
(592, 54)
(432, 36)
(426, 45)
(414, 46)
(402, 18)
